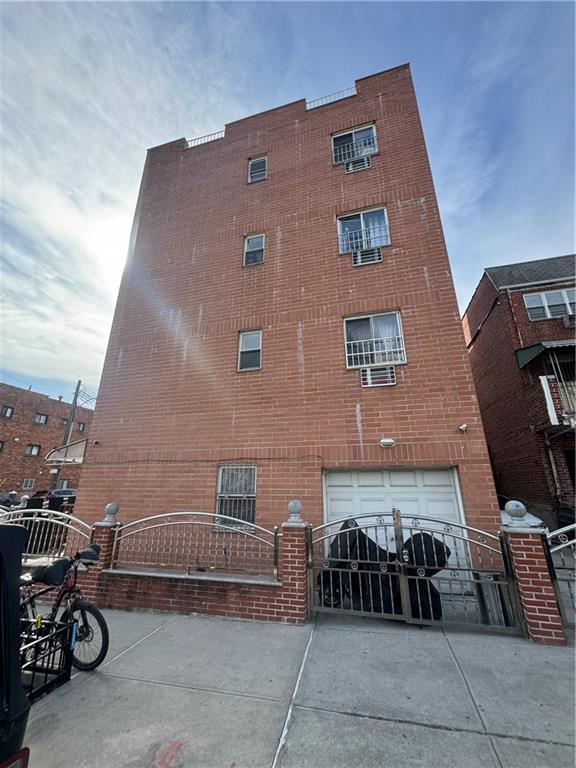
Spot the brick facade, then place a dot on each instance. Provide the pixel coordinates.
(530, 462)
(20, 430)
(172, 406)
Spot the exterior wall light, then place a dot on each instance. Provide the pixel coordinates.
(387, 442)
(463, 428)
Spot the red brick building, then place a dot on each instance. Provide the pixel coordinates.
(31, 425)
(519, 327)
(287, 327)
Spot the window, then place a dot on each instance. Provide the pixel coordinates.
(353, 144)
(543, 306)
(28, 483)
(236, 493)
(374, 340)
(249, 351)
(363, 231)
(253, 249)
(63, 484)
(32, 450)
(7, 411)
(81, 426)
(40, 418)
(63, 421)
(257, 169)
(1, 445)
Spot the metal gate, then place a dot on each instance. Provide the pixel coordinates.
(562, 545)
(422, 570)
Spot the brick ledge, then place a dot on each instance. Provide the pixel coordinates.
(264, 581)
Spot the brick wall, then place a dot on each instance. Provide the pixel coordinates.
(19, 431)
(511, 399)
(172, 405)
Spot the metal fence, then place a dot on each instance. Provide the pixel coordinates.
(417, 569)
(562, 543)
(195, 543)
(336, 96)
(204, 139)
(50, 534)
(355, 149)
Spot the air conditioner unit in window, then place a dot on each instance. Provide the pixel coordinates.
(569, 321)
(366, 256)
(357, 165)
(378, 377)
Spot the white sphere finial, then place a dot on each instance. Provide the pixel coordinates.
(517, 512)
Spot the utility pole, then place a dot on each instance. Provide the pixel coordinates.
(68, 431)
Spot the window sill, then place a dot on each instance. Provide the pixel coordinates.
(256, 181)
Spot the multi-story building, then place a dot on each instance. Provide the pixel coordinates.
(31, 425)
(287, 327)
(519, 327)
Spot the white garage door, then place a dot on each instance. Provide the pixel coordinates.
(428, 492)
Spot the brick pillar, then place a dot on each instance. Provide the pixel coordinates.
(102, 534)
(294, 566)
(537, 595)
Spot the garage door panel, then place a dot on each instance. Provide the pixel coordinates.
(437, 477)
(340, 479)
(403, 479)
(370, 479)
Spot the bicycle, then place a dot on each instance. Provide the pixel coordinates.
(92, 636)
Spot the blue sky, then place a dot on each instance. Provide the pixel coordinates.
(86, 88)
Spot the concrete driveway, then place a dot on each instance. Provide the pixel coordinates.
(196, 692)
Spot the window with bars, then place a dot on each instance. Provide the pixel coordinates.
(545, 306)
(40, 418)
(253, 249)
(32, 449)
(257, 169)
(7, 411)
(250, 351)
(363, 231)
(353, 144)
(374, 340)
(236, 493)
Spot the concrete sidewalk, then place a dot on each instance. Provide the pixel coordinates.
(196, 692)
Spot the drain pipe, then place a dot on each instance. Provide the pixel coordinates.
(554, 471)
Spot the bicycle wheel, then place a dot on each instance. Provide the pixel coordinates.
(92, 637)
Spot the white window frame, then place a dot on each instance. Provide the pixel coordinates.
(378, 363)
(30, 449)
(368, 151)
(249, 237)
(363, 228)
(81, 426)
(240, 350)
(220, 495)
(41, 418)
(28, 483)
(255, 160)
(63, 484)
(543, 295)
(7, 411)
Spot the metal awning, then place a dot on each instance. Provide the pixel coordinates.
(73, 453)
(527, 354)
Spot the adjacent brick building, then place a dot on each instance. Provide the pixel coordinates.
(287, 327)
(519, 327)
(31, 425)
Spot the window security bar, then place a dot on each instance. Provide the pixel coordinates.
(375, 352)
(362, 239)
(360, 148)
(204, 139)
(331, 97)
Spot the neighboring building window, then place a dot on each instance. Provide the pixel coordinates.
(544, 306)
(28, 483)
(257, 169)
(63, 422)
(363, 230)
(250, 351)
(374, 340)
(7, 411)
(40, 418)
(353, 144)
(81, 426)
(253, 249)
(1, 445)
(32, 450)
(237, 492)
(63, 484)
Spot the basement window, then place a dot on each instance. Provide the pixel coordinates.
(236, 493)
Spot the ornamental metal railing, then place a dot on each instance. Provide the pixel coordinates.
(420, 569)
(196, 543)
(372, 352)
(562, 543)
(336, 96)
(204, 139)
(363, 239)
(355, 149)
(50, 534)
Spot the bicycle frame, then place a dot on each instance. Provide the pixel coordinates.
(68, 591)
